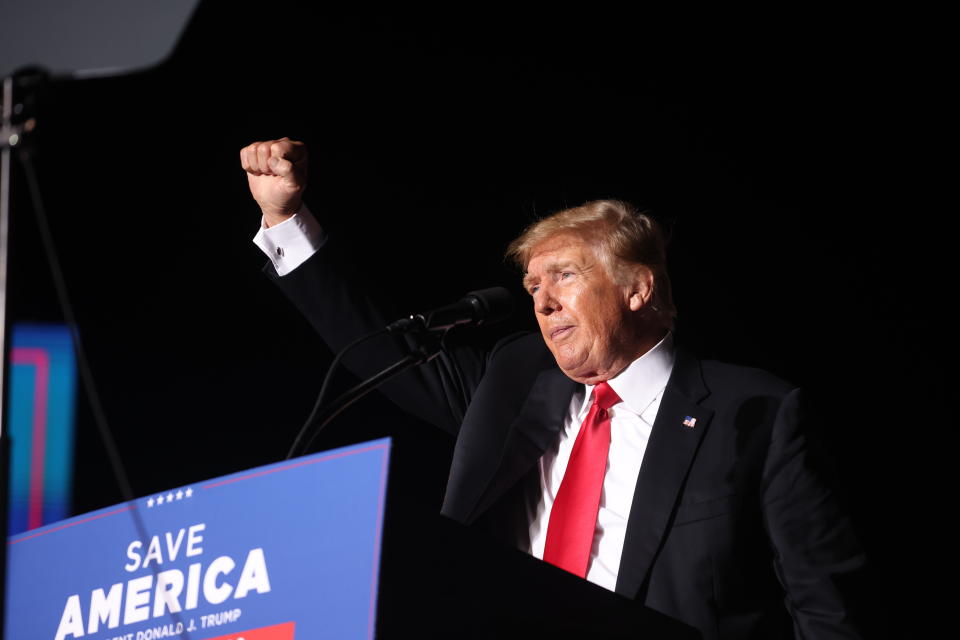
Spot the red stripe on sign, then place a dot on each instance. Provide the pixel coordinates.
(276, 632)
(302, 463)
(40, 359)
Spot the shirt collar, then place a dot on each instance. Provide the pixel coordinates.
(640, 383)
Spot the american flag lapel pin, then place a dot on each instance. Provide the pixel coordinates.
(690, 421)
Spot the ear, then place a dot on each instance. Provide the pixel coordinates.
(641, 287)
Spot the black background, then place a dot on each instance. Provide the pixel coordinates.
(782, 153)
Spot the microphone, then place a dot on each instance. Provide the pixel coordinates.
(485, 306)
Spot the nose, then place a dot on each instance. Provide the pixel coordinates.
(545, 301)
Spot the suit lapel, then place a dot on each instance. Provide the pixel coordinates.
(533, 430)
(669, 454)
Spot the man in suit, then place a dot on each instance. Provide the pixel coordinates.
(598, 445)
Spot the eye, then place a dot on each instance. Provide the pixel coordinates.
(534, 289)
(566, 274)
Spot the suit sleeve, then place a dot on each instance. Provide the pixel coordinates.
(816, 555)
(342, 308)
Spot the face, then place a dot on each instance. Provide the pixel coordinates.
(589, 322)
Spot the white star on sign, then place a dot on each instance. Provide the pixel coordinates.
(189, 492)
(170, 497)
(150, 502)
(159, 499)
(180, 495)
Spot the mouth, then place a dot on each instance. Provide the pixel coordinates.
(561, 332)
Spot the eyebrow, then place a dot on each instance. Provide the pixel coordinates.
(552, 267)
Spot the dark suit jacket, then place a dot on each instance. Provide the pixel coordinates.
(732, 526)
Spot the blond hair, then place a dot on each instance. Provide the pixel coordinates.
(622, 236)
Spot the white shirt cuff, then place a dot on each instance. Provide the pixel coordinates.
(290, 243)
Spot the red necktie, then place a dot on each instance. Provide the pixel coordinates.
(573, 518)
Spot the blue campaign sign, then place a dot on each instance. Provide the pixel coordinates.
(289, 550)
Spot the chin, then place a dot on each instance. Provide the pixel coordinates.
(577, 372)
(567, 363)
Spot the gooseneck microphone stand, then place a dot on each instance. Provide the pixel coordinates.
(426, 331)
(428, 347)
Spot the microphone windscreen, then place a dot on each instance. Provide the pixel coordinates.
(493, 305)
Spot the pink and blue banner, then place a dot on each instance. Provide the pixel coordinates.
(40, 417)
(289, 550)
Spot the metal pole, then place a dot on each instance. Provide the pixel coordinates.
(6, 153)
(6, 126)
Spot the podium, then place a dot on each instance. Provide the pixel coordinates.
(475, 587)
(293, 550)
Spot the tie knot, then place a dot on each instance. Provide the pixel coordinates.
(605, 396)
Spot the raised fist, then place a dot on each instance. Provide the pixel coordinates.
(277, 175)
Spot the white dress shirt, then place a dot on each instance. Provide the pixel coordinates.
(290, 243)
(640, 387)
